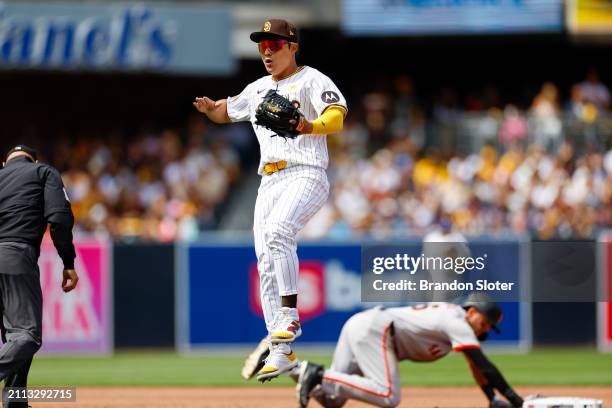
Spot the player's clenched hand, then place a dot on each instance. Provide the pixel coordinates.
(205, 104)
(70, 280)
(302, 126)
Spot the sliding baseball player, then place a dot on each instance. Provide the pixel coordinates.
(365, 363)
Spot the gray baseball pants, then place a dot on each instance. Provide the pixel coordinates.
(21, 303)
(364, 366)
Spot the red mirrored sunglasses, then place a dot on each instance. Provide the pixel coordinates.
(272, 45)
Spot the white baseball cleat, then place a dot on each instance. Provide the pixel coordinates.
(281, 360)
(287, 327)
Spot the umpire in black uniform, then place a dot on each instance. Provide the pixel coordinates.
(32, 195)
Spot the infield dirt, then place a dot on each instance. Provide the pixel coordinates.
(269, 396)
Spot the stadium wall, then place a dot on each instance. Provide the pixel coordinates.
(143, 295)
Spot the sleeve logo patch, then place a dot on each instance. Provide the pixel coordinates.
(330, 97)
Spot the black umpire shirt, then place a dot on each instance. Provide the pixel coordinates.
(32, 195)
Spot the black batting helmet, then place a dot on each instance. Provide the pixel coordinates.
(486, 306)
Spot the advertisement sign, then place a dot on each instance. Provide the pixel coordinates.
(218, 296)
(604, 309)
(443, 17)
(79, 321)
(589, 16)
(183, 39)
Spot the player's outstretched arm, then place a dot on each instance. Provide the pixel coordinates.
(215, 110)
(490, 378)
(488, 390)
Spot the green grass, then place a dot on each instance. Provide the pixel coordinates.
(541, 367)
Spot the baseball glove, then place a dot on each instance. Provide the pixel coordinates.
(279, 114)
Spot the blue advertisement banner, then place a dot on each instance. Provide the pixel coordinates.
(183, 39)
(443, 17)
(218, 296)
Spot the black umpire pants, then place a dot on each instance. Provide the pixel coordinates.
(21, 303)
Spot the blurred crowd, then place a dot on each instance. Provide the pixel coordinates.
(543, 169)
(159, 186)
(399, 192)
(399, 164)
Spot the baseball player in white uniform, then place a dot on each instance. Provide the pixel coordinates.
(444, 242)
(294, 184)
(372, 343)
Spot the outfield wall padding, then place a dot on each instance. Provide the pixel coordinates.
(144, 295)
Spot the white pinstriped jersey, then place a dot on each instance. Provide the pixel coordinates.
(430, 331)
(314, 91)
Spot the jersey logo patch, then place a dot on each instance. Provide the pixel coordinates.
(330, 97)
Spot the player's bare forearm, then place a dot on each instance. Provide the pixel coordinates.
(216, 111)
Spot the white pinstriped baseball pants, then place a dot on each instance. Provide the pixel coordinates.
(286, 200)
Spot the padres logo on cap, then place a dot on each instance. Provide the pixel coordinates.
(267, 26)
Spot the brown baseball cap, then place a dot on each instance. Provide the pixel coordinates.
(276, 28)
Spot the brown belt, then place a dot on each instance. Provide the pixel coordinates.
(271, 168)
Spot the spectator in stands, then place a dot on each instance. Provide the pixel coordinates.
(594, 91)
(513, 128)
(545, 112)
(589, 100)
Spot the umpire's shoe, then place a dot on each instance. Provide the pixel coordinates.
(311, 375)
(257, 359)
(281, 360)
